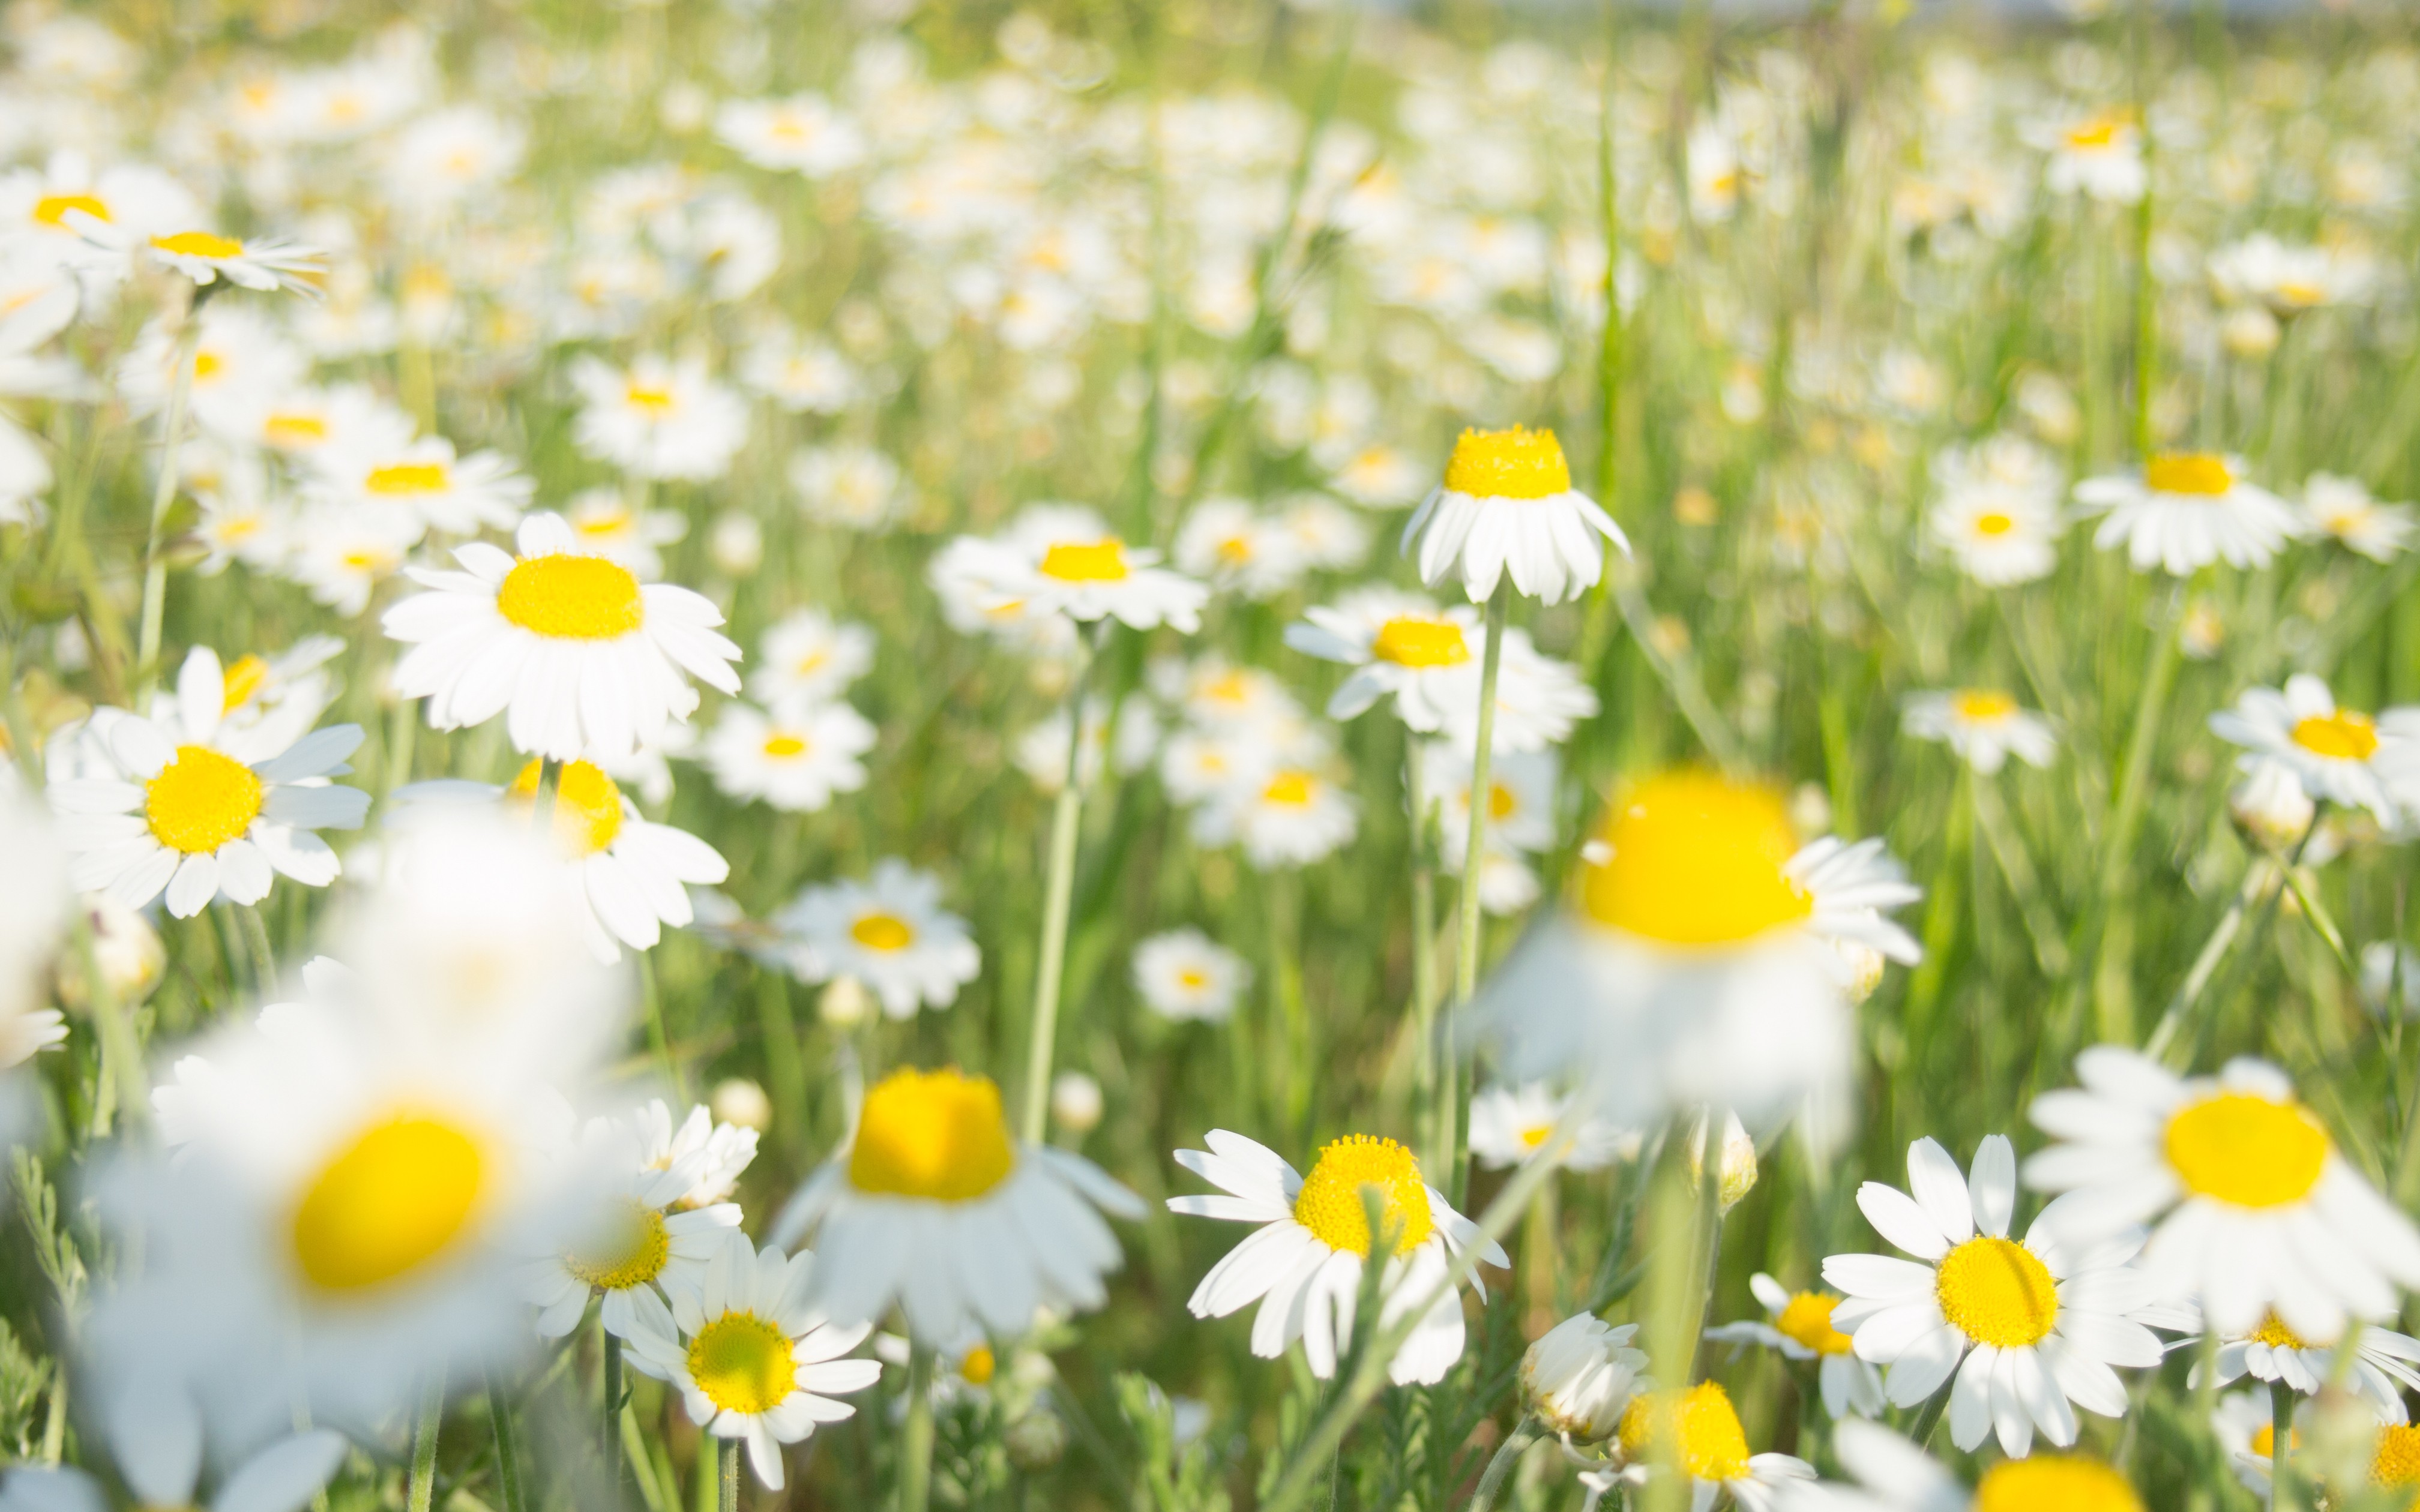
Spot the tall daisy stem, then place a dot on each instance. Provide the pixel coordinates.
(1065, 816)
(2116, 859)
(163, 494)
(1437, 1135)
(727, 1476)
(2281, 1446)
(423, 1441)
(264, 955)
(610, 1415)
(916, 1441)
(1500, 1468)
(1466, 960)
(508, 1459)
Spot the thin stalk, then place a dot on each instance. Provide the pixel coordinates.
(2206, 965)
(782, 1066)
(163, 494)
(1437, 1142)
(610, 1421)
(54, 1426)
(508, 1459)
(2316, 913)
(121, 1057)
(1921, 1433)
(2008, 849)
(916, 1442)
(2147, 295)
(1065, 815)
(264, 956)
(1508, 1456)
(1466, 960)
(2281, 1446)
(657, 1041)
(1599, 626)
(727, 1453)
(2117, 858)
(423, 1441)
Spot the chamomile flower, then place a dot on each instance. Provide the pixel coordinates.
(801, 377)
(657, 418)
(1507, 504)
(2343, 510)
(1982, 725)
(2384, 1364)
(1233, 547)
(808, 655)
(754, 1358)
(573, 651)
(2287, 280)
(1509, 1124)
(2027, 1326)
(1538, 700)
(2098, 155)
(1291, 815)
(384, 468)
(266, 264)
(631, 1240)
(1060, 561)
(716, 1152)
(855, 488)
(1577, 1377)
(889, 932)
(1183, 974)
(240, 521)
(2253, 1210)
(1893, 1475)
(1697, 1429)
(196, 809)
(157, 1436)
(795, 755)
(1397, 643)
(2185, 509)
(935, 1205)
(1304, 1264)
(341, 556)
(633, 870)
(609, 526)
(35, 205)
(1799, 1324)
(1520, 801)
(803, 133)
(2341, 755)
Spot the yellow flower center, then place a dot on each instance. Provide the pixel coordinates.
(243, 680)
(587, 804)
(1995, 523)
(1696, 859)
(297, 430)
(1292, 789)
(2054, 1483)
(199, 244)
(1694, 1425)
(1190, 978)
(1519, 463)
(1412, 642)
(52, 209)
(2397, 1459)
(743, 1364)
(572, 597)
(2246, 1150)
(205, 364)
(2264, 1441)
(1086, 561)
(883, 932)
(607, 522)
(395, 1200)
(1808, 1321)
(1235, 551)
(1330, 1203)
(201, 800)
(2301, 296)
(1995, 1291)
(932, 1133)
(1501, 801)
(2274, 1333)
(2347, 735)
(978, 1365)
(656, 402)
(408, 478)
(635, 1257)
(2100, 132)
(1983, 706)
(1535, 1135)
(784, 746)
(2203, 474)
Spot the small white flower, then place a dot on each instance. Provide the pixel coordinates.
(795, 755)
(1578, 1376)
(1183, 974)
(658, 418)
(808, 655)
(2341, 755)
(2343, 510)
(1509, 1124)
(1983, 725)
(1507, 504)
(889, 932)
(2185, 509)
(1799, 1324)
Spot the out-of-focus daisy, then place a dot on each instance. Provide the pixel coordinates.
(1183, 974)
(1799, 1324)
(156, 1440)
(1697, 1429)
(1288, 815)
(1507, 504)
(34, 911)
(184, 815)
(2098, 155)
(387, 471)
(1983, 725)
(608, 527)
(2185, 509)
(341, 556)
(2390, 978)
(2343, 510)
(1376, 476)
(633, 871)
(933, 1204)
(1058, 560)
(240, 520)
(2341, 755)
(1998, 536)
(631, 1242)
(803, 133)
(801, 377)
(717, 1151)
(1231, 545)
(266, 264)
(1698, 962)
(2383, 1364)
(657, 418)
(2255, 1210)
(1329, 536)
(1509, 1124)
(1520, 801)
(889, 932)
(754, 1358)
(1893, 1476)
(793, 756)
(2288, 280)
(855, 488)
(1304, 1264)
(140, 200)
(1396, 642)
(1538, 699)
(239, 358)
(1579, 1375)
(573, 651)
(808, 655)
(2036, 1326)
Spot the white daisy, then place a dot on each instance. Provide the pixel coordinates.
(341, 556)
(2255, 1210)
(656, 418)
(793, 756)
(855, 488)
(1303, 1265)
(753, 1357)
(1229, 544)
(1520, 802)
(889, 933)
(36, 203)
(2098, 155)
(2246, 1425)
(1057, 561)
(240, 520)
(1396, 642)
(2185, 509)
(609, 526)
(935, 1205)
(802, 376)
(35, 907)
(1578, 1376)
(2287, 280)
(630, 1242)
(1697, 1429)
(805, 133)
(1183, 974)
(633, 871)
(1998, 535)
(2342, 509)
(1799, 1324)
(718, 1151)
(570, 648)
(808, 655)
(266, 264)
(2384, 1365)
(1893, 1476)
(1982, 725)
(2341, 755)
(1507, 502)
(382, 469)
(198, 810)
(1509, 1124)
(157, 1436)
(1538, 700)
(1290, 816)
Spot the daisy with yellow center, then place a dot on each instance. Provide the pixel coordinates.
(2343, 510)
(795, 755)
(1696, 1430)
(264, 263)
(936, 1205)
(1183, 974)
(607, 526)
(572, 649)
(1397, 643)
(1063, 561)
(57, 208)
(382, 467)
(1507, 1124)
(1890, 1474)
(2028, 1327)
(1507, 505)
(803, 133)
(2098, 155)
(2341, 756)
(1800, 1325)
(753, 1357)
(2240, 1181)
(2385, 1363)
(1982, 725)
(1304, 1264)
(1579, 1376)
(1228, 543)
(889, 932)
(2184, 510)
(1286, 809)
(657, 419)
(807, 654)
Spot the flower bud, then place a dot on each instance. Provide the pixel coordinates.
(740, 1100)
(1075, 1101)
(126, 949)
(2271, 806)
(1579, 1376)
(1739, 1169)
(1036, 1440)
(844, 1004)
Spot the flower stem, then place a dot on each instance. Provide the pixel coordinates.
(1466, 960)
(727, 1452)
(1508, 1455)
(163, 494)
(264, 955)
(2281, 1446)
(916, 1441)
(1065, 814)
(657, 1041)
(2116, 856)
(610, 1415)
(1437, 1135)
(423, 1441)
(2214, 950)
(508, 1459)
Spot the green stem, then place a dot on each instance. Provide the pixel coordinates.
(1921, 1433)
(55, 1427)
(264, 956)
(2147, 294)
(657, 1041)
(1065, 814)
(916, 1441)
(121, 1056)
(508, 1459)
(782, 1067)
(611, 1411)
(2281, 1446)
(2133, 786)
(1437, 1142)
(1508, 1455)
(2008, 849)
(2214, 951)
(1466, 960)
(163, 494)
(728, 1454)
(423, 1441)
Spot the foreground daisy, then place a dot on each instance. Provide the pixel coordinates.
(1183, 974)
(1799, 1324)
(2185, 509)
(1697, 1429)
(753, 1356)
(195, 808)
(157, 1437)
(2341, 755)
(1893, 1476)
(935, 1205)
(807, 654)
(576, 654)
(657, 419)
(635, 872)
(266, 264)
(1983, 725)
(2037, 1327)
(890, 933)
(1303, 1265)
(2255, 1210)
(1507, 504)
(632, 1243)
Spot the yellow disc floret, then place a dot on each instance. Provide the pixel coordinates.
(2274, 1333)
(388, 1204)
(201, 800)
(52, 209)
(1993, 522)
(587, 804)
(2246, 1150)
(405, 478)
(635, 1252)
(199, 244)
(1983, 706)
(243, 679)
(1808, 1321)
(1292, 789)
(743, 1364)
(2055, 1483)
(1695, 1426)
(572, 597)
(1995, 1291)
(883, 932)
(781, 747)
(1086, 561)
(2347, 735)
(2396, 1459)
(1330, 1203)
(1519, 463)
(1409, 640)
(932, 1133)
(1695, 860)
(2203, 474)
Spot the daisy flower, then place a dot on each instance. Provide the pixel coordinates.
(1507, 502)
(1893, 1476)
(1058, 560)
(855, 488)
(34, 912)
(196, 809)
(803, 133)
(2341, 755)
(1982, 725)
(656, 418)
(1538, 700)
(2246, 1425)
(2287, 280)
(1397, 643)
(35, 205)
(1183, 974)
(1697, 1429)
(382, 469)
(240, 520)
(803, 377)
(2185, 509)
(793, 756)
(1799, 1324)
(753, 1357)
(2036, 1326)
(156, 1437)
(808, 655)
(889, 933)
(632, 1243)
(576, 654)
(633, 870)
(2384, 1365)
(1577, 1376)
(718, 1151)
(1520, 801)
(1236, 548)
(608, 527)
(2098, 155)
(1509, 1124)
(935, 1205)
(266, 264)
(2254, 1211)
(1304, 1263)
(1698, 960)
(2343, 510)
(1376, 476)
(1291, 815)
